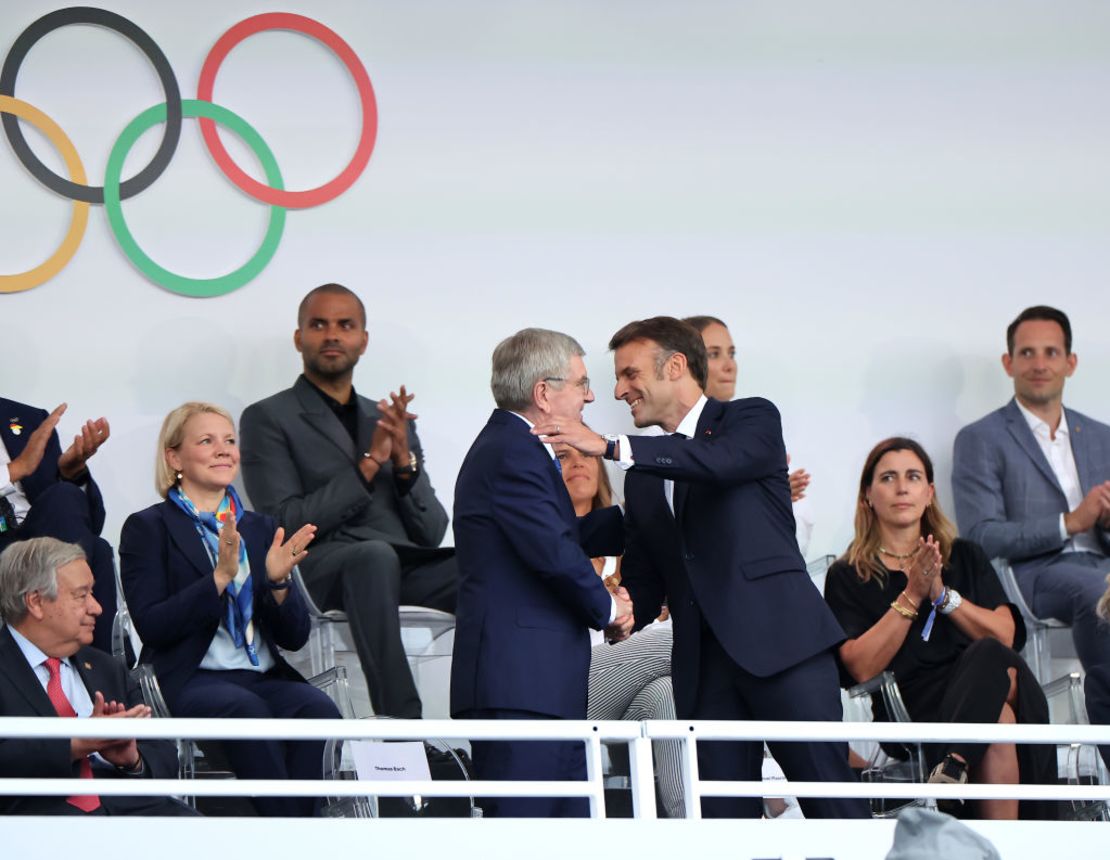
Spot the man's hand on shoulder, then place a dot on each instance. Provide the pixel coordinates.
(72, 463)
(31, 455)
(571, 432)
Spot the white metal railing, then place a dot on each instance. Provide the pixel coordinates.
(637, 735)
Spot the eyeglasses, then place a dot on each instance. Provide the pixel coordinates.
(583, 383)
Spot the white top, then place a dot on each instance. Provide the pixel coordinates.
(1060, 457)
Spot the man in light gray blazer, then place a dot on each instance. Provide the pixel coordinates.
(320, 453)
(1032, 485)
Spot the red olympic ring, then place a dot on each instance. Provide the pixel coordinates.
(309, 27)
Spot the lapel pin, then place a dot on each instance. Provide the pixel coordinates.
(708, 432)
(15, 426)
(88, 666)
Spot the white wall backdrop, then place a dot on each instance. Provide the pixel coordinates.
(866, 191)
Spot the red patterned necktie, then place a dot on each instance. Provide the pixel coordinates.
(84, 802)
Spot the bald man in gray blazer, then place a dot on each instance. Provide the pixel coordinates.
(320, 453)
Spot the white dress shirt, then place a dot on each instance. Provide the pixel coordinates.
(688, 427)
(1061, 458)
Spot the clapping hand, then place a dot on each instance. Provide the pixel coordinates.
(799, 482)
(121, 752)
(396, 414)
(924, 579)
(227, 562)
(283, 554)
(93, 434)
(31, 455)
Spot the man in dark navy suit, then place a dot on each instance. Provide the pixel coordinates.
(527, 591)
(709, 528)
(47, 670)
(48, 492)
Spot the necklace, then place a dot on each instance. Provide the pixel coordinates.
(885, 551)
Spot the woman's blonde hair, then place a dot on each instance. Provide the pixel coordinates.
(173, 434)
(863, 551)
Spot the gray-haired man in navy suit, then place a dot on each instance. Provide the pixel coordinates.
(1032, 485)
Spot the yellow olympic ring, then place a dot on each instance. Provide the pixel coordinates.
(80, 216)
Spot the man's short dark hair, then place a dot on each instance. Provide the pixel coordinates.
(331, 289)
(673, 336)
(1046, 314)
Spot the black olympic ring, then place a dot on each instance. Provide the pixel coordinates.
(110, 20)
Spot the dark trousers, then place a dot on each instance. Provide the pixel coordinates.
(368, 580)
(1068, 588)
(808, 691)
(241, 693)
(62, 511)
(528, 760)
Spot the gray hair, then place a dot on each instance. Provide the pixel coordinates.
(32, 565)
(530, 355)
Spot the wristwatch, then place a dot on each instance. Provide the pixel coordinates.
(411, 469)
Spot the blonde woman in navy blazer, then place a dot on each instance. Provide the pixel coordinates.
(208, 586)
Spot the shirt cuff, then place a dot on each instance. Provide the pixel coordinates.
(7, 486)
(613, 609)
(1064, 536)
(625, 462)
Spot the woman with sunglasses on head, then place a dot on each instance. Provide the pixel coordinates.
(915, 599)
(209, 586)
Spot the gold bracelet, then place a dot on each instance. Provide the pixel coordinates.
(909, 600)
(901, 610)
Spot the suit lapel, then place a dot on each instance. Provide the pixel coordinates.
(707, 422)
(367, 422)
(183, 532)
(1019, 429)
(317, 415)
(87, 663)
(23, 677)
(1080, 451)
(11, 414)
(513, 424)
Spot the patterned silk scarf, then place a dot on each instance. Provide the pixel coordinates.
(239, 597)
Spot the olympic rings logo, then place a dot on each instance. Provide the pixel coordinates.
(170, 113)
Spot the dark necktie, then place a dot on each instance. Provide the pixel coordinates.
(84, 802)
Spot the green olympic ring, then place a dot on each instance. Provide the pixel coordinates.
(196, 287)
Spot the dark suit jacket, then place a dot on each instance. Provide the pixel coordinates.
(47, 473)
(299, 466)
(1007, 497)
(728, 555)
(22, 695)
(527, 590)
(170, 592)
